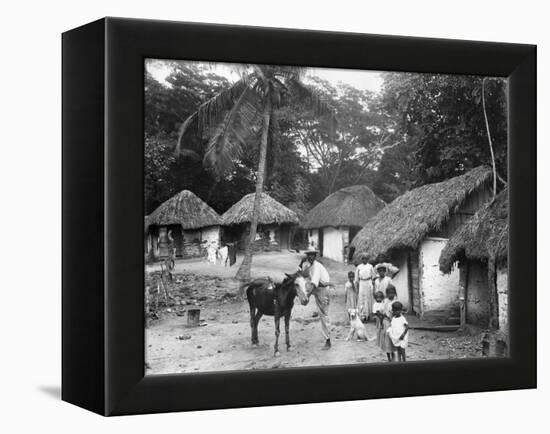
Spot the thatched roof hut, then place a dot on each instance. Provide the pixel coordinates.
(406, 221)
(185, 209)
(349, 206)
(486, 233)
(271, 212)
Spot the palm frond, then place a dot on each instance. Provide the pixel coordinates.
(211, 112)
(232, 134)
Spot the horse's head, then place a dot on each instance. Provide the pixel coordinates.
(300, 286)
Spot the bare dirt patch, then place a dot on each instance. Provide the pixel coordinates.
(222, 341)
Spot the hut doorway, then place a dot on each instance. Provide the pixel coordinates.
(284, 237)
(177, 235)
(234, 234)
(320, 242)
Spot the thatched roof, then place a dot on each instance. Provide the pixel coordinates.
(185, 209)
(350, 206)
(271, 211)
(484, 234)
(408, 219)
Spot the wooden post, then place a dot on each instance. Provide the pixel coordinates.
(493, 295)
(463, 291)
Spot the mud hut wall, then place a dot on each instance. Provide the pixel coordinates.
(401, 279)
(313, 238)
(211, 234)
(267, 237)
(189, 245)
(333, 243)
(439, 292)
(477, 294)
(502, 288)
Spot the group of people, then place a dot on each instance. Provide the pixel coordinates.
(370, 292)
(384, 307)
(225, 255)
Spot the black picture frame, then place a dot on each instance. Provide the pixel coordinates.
(103, 279)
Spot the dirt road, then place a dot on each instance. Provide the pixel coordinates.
(222, 342)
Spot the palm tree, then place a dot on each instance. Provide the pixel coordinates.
(238, 114)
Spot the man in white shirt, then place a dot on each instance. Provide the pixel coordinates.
(320, 279)
(364, 275)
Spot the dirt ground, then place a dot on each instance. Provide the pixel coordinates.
(222, 341)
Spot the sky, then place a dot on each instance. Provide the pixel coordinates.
(364, 80)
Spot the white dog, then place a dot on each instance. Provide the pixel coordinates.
(356, 327)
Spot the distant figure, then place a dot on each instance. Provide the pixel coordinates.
(232, 253)
(223, 255)
(350, 253)
(364, 274)
(211, 253)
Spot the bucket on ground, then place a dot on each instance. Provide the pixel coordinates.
(193, 317)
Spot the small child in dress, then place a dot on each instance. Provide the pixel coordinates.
(384, 342)
(398, 330)
(351, 292)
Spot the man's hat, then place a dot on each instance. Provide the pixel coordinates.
(311, 252)
(382, 265)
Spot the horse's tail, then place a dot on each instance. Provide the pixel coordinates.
(247, 288)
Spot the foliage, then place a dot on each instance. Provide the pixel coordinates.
(239, 116)
(420, 128)
(440, 119)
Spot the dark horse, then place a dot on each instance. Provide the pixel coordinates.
(277, 300)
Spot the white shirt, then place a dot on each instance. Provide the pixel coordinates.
(378, 306)
(364, 272)
(380, 284)
(396, 329)
(317, 273)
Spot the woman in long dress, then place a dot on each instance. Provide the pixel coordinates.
(364, 275)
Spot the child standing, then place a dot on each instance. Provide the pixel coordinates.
(378, 312)
(398, 331)
(385, 343)
(351, 292)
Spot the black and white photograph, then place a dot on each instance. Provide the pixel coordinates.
(248, 217)
(299, 216)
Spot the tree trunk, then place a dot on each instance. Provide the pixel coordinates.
(243, 274)
(489, 138)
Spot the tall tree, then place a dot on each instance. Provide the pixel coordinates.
(354, 146)
(237, 115)
(441, 118)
